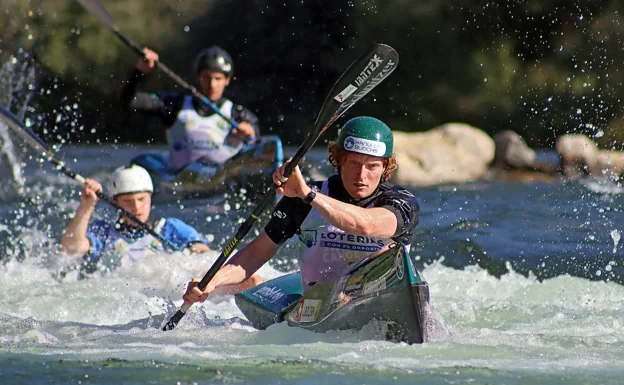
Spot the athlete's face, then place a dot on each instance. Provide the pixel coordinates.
(212, 83)
(361, 174)
(138, 204)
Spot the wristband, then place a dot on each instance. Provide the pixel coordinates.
(311, 195)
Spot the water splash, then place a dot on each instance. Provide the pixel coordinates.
(18, 78)
(9, 160)
(615, 235)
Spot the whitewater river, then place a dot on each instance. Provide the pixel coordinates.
(525, 279)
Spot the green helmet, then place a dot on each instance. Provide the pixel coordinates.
(366, 135)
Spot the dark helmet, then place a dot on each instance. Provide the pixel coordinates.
(366, 135)
(214, 59)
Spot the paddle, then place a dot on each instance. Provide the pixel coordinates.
(97, 9)
(38, 145)
(358, 80)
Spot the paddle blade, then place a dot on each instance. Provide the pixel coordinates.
(358, 80)
(173, 322)
(23, 132)
(96, 9)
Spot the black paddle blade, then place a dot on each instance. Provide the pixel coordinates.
(173, 322)
(358, 80)
(23, 132)
(96, 9)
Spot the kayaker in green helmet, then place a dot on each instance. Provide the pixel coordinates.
(342, 220)
(195, 130)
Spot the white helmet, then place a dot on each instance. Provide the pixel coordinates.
(130, 179)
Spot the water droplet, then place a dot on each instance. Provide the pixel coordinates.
(615, 235)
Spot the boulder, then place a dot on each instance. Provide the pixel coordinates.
(512, 152)
(515, 160)
(452, 153)
(611, 163)
(581, 156)
(578, 153)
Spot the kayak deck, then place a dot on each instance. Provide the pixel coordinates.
(385, 288)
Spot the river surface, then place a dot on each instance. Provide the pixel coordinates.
(525, 279)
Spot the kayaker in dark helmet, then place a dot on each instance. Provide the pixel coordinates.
(194, 129)
(104, 245)
(342, 220)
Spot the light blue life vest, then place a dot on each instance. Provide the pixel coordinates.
(193, 136)
(120, 247)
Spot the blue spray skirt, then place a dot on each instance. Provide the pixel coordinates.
(384, 288)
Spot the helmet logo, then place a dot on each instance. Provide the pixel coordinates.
(365, 146)
(225, 66)
(349, 143)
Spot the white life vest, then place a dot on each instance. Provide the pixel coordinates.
(330, 251)
(193, 136)
(122, 247)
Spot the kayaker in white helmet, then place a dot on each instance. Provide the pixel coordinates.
(104, 245)
(341, 221)
(194, 130)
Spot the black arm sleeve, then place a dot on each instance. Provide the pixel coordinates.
(165, 107)
(241, 114)
(286, 219)
(129, 91)
(406, 209)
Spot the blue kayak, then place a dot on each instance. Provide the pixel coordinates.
(385, 288)
(249, 169)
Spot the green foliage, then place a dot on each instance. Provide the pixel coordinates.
(539, 67)
(70, 42)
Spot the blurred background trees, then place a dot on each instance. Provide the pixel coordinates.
(539, 67)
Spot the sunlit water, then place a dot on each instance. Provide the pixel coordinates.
(525, 286)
